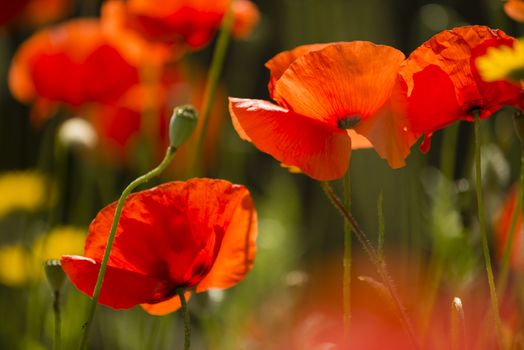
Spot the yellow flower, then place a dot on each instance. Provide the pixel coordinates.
(15, 269)
(20, 266)
(65, 240)
(503, 62)
(21, 191)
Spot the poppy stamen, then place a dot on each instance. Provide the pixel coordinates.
(348, 122)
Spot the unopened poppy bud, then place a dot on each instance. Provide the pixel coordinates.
(518, 121)
(183, 123)
(54, 273)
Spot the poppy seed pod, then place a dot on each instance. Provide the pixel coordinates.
(54, 273)
(183, 123)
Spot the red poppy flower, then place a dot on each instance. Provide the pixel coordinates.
(324, 91)
(194, 235)
(74, 63)
(187, 22)
(443, 82)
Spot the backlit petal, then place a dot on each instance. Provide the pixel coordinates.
(358, 141)
(165, 307)
(432, 104)
(171, 232)
(320, 151)
(453, 52)
(121, 289)
(389, 130)
(278, 64)
(343, 79)
(238, 249)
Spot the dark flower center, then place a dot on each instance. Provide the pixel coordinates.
(348, 122)
(474, 111)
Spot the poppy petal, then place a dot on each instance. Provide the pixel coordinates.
(343, 79)
(165, 307)
(389, 130)
(317, 149)
(278, 64)
(121, 289)
(238, 249)
(358, 141)
(452, 51)
(171, 232)
(433, 104)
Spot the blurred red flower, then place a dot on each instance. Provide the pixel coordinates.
(73, 63)
(245, 17)
(143, 114)
(34, 12)
(39, 12)
(502, 229)
(194, 235)
(187, 22)
(515, 9)
(327, 95)
(443, 83)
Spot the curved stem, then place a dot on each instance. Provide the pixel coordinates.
(346, 284)
(187, 320)
(484, 236)
(380, 265)
(96, 293)
(213, 77)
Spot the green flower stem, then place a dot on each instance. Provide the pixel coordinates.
(138, 181)
(484, 237)
(187, 320)
(58, 322)
(379, 264)
(346, 283)
(381, 229)
(213, 77)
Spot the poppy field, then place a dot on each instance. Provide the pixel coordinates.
(246, 174)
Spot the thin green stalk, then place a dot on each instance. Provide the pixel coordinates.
(484, 237)
(346, 284)
(58, 322)
(187, 320)
(379, 264)
(96, 294)
(380, 213)
(213, 77)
